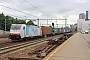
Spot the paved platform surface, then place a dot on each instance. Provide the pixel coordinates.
(75, 48)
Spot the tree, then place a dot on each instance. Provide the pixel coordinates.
(21, 21)
(9, 22)
(2, 21)
(76, 29)
(30, 23)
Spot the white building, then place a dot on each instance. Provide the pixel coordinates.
(83, 25)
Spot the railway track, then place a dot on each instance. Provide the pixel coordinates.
(32, 49)
(19, 46)
(23, 45)
(3, 43)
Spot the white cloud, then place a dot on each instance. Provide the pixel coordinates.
(1, 3)
(69, 9)
(82, 1)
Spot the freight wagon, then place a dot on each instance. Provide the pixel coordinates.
(56, 31)
(66, 30)
(46, 31)
(22, 31)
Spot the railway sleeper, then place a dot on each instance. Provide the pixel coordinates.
(43, 51)
(33, 51)
(23, 58)
(57, 41)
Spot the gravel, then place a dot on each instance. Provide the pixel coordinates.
(21, 53)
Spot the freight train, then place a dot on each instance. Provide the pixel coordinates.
(22, 31)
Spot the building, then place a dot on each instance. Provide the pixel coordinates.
(86, 16)
(82, 24)
(82, 16)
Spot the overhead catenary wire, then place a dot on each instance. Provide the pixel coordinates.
(14, 16)
(18, 10)
(35, 7)
(30, 14)
(30, 4)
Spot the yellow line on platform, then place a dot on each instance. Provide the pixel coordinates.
(58, 48)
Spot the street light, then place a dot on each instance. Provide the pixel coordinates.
(47, 22)
(5, 26)
(65, 22)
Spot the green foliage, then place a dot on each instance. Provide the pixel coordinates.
(9, 21)
(2, 21)
(22, 21)
(76, 29)
(50, 26)
(30, 23)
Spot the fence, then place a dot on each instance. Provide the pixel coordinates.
(4, 33)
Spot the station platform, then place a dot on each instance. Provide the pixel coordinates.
(77, 47)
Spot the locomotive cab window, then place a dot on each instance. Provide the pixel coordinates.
(15, 27)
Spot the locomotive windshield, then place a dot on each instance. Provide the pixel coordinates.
(15, 27)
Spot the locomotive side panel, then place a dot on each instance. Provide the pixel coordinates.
(28, 31)
(35, 31)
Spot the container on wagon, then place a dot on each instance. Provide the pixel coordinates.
(62, 30)
(57, 30)
(46, 30)
(66, 30)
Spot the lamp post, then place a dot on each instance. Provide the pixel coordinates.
(5, 26)
(26, 19)
(47, 22)
(38, 21)
(65, 23)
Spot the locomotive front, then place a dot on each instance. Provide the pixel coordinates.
(16, 31)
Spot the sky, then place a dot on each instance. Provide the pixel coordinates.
(45, 9)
